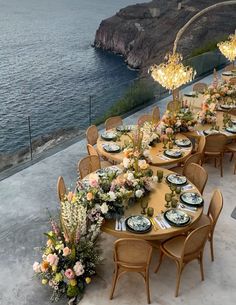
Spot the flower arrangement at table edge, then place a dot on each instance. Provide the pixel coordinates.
(71, 253)
(223, 93)
(182, 120)
(207, 113)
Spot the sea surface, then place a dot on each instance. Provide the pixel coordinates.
(48, 68)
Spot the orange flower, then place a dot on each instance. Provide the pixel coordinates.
(70, 196)
(89, 196)
(44, 266)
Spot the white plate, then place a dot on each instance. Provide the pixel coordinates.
(176, 179)
(173, 153)
(191, 198)
(109, 135)
(183, 142)
(112, 147)
(231, 129)
(177, 217)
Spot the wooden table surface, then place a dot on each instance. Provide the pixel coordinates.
(156, 152)
(156, 201)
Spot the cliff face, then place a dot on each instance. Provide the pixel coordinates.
(144, 33)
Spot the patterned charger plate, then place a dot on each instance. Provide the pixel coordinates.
(191, 94)
(125, 128)
(109, 135)
(112, 148)
(138, 224)
(107, 170)
(225, 106)
(183, 142)
(231, 129)
(210, 131)
(176, 179)
(177, 217)
(191, 198)
(173, 153)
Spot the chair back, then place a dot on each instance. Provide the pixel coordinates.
(92, 150)
(232, 111)
(87, 165)
(132, 252)
(92, 135)
(61, 188)
(144, 118)
(156, 114)
(195, 158)
(197, 175)
(229, 67)
(113, 122)
(200, 87)
(215, 208)
(195, 242)
(170, 106)
(201, 145)
(232, 81)
(215, 143)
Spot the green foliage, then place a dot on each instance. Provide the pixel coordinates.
(208, 47)
(136, 95)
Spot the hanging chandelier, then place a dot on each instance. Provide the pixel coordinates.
(228, 47)
(172, 74)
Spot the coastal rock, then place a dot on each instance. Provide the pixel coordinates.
(143, 33)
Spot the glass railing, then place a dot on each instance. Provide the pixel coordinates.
(27, 137)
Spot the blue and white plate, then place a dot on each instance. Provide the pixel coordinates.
(183, 142)
(111, 148)
(177, 218)
(107, 170)
(173, 153)
(191, 198)
(231, 129)
(125, 128)
(109, 135)
(176, 179)
(138, 224)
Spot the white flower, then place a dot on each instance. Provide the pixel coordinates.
(146, 153)
(154, 178)
(78, 268)
(130, 176)
(139, 193)
(142, 164)
(112, 196)
(104, 208)
(36, 267)
(126, 162)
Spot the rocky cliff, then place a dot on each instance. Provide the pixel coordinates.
(143, 33)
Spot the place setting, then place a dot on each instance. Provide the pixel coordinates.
(111, 147)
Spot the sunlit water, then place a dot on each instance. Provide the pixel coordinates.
(48, 68)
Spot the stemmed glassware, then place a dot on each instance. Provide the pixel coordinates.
(173, 189)
(160, 174)
(144, 205)
(168, 197)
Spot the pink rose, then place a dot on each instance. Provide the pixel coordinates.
(78, 268)
(169, 131)
(36, 267)
(66, 251)
(69, 273)
(52, 259)
(93, 183)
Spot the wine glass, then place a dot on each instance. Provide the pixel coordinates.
(173, 189)
(168, 197)
(144, 205)
(160, 174)
(178, 190)
(150, 212)
(174, 202)
(165, 141)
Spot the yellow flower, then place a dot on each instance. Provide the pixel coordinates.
(44, 281)
(54, 268)
(88, 280)
(49, 243)
(74, 199)
(50, 233)
(47, 251)
(73, 283)
(58, 277)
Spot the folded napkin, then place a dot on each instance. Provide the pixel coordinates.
(117, 225)
(120, 225)
(185, 208)
(162, 157)
(167, 225)
(187, 187)
(200, 132)
(159, 223)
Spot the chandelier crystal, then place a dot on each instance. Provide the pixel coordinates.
(228, 47)
(172, 74)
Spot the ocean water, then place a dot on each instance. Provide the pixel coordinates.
(48, 68)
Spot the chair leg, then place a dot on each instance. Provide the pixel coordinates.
(160, 261)
(179, 271)
(114, 281)
(221, 165)
(235, 168)
(215, 162)
(212, 250)
(147, 286)
(232, 155)
(201, 266)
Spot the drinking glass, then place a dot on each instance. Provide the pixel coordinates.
(168, 197)
(160, 174)
(173, 189)
(174, 203)
(144, 205)
(178, 190)
(171, 145)
(165, 141)
(150, 212)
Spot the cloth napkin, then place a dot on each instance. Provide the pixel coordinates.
(159, 223)
(187, 187)
(200, 132)
(185, 208)
(162, 157)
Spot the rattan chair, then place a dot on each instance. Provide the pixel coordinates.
(232, 81)
(201, 145)
(156, 114)
(93, 152)
(232, 111)
(214, 148)
(88, 165)
(92, 135)
(200, 87)
(183, 249)
(232, 149)
(113, 122)
(144, 118)
(195, 158)
(132, 255)
(61, 189)
(213, 213)
(170, 106)
(197, 175)
(229, 67)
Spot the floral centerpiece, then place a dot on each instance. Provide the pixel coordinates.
(207, 115)
(150, 134)
(223, 94)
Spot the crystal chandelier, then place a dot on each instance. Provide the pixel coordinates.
(228, 47)
(172, 74)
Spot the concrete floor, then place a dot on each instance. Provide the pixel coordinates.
(24, 199)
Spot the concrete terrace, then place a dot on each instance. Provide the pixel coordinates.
(24, 198)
